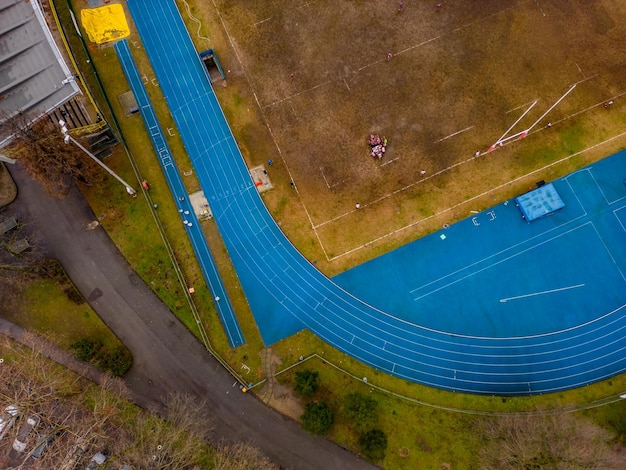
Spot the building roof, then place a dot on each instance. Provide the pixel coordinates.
(34, 78)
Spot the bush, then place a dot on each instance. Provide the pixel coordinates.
(72, 293)
(117, 363)
(306, 383)
(317, 418)
(373, 444)
(360, 410)
(86, 348)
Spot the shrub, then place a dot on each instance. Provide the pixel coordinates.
(306, 383)
(317, 418)
(86, 348)
(373, 444)
(360, 410)
(117, 362)
(72, 293)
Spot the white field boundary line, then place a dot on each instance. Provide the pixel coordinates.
(619, 221)
(478, 196)
(328, 185)
(608, 203)
(295, 95)
(324, 176)
(609, 253)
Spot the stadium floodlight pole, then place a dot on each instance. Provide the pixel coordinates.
(68, 138)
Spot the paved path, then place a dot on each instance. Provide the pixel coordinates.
(167, 357)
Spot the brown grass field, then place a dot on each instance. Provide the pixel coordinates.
(458, 79)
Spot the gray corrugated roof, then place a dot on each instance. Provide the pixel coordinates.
(32, 71)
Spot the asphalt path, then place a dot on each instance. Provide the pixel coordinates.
(167, 357)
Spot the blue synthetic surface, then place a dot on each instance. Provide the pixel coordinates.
(286, 292)
(194, 231)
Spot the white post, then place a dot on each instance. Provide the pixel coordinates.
(68, 138)
(552, 107)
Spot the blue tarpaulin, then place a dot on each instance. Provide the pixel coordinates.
(540, 202)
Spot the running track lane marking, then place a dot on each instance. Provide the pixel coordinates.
(541, 293)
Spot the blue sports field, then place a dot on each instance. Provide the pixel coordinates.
(490, 305)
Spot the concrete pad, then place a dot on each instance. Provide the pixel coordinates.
(261, 178)
(200, 206)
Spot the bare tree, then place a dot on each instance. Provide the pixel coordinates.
(177, 441)
(241, 456)
(40, 148)
(553, 441)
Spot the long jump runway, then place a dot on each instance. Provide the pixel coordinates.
(498, 306)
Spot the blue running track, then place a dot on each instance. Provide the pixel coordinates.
(188, 217)
(286, 293)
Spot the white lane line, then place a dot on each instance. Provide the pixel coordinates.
(541, 293)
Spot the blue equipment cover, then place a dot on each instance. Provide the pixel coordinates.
(540, 202)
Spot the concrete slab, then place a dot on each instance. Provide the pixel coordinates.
(261, 178)
(200, 206)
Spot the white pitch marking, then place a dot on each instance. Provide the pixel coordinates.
(324, 176)
(541, 293)
(390, 161)
(347, 86)
(540, 9)
(453, 134)
(262, 21)
(519, 107)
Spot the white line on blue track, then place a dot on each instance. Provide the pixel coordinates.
(533, 294)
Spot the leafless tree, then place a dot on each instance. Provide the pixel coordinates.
(551, 441)
(241, 456)
(177, 441)
(40, 148)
